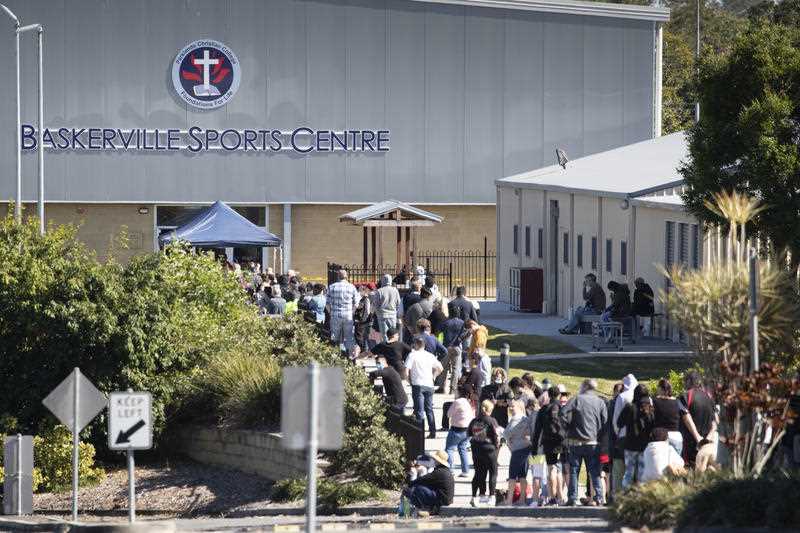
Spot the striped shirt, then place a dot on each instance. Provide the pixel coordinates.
(342, 298)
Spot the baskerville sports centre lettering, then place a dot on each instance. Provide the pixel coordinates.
(301, 140)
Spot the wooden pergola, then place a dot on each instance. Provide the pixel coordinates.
(386, 215)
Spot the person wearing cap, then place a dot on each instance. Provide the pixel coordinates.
(584, 418)
(421, 369)
(435, 489)
(387, 306)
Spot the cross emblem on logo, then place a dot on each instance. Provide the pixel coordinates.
(206, 89)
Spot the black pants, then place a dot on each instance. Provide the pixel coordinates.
(484, 459)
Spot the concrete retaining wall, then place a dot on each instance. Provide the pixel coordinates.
(254, 452)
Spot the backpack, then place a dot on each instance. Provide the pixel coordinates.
(553, 432)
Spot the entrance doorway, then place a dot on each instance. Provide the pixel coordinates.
(553, 266)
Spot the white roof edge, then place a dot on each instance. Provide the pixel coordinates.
(649, 202)
(569, 7)
(558, 188)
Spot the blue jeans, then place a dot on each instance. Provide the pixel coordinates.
(577, 316)
(584, 453)
(422, 497)
(384, 324)
(423, 406)
(457, 440)
(634, 467)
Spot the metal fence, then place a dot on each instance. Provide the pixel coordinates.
(473, 269)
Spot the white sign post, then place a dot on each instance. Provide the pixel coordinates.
(130, 428)
(310, 424)
(75, 402)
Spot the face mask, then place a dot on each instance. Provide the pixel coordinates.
(380, 366)
(499, 381)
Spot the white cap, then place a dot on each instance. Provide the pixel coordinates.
(561, 388)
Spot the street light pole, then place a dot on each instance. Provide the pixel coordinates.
(18, 203)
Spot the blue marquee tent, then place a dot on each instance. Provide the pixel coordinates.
(219, 226)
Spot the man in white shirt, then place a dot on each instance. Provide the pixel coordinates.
(660, 458)
(421, 369)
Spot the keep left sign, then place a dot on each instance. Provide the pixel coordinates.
(130, 421)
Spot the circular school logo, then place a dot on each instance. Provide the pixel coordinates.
(206, 74)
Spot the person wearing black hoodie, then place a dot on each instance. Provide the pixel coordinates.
(435, 489)
(638, 418)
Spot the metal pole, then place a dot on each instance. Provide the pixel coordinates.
(131, 490)
(75, 444)
(754, 312)
(19, 474)
(311, 488)
(41, 131)
(17, 134)
(697, 58)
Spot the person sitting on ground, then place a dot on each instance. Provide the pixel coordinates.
(394, 351)
(434, 490)
(395, 393)
(500, 394)
(595, 304)
(518, 438)
(660, 458)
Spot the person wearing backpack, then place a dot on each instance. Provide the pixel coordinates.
(638, 417)
(550, 433)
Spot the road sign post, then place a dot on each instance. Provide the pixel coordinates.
(130, 427)
(307, 424)
(75, 402)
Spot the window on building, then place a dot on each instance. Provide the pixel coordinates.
(540, 243)
(609, 251)
(594, 253)
(566, 248)
(683, 244)
(669, 244)
(623, 258)
(696, 248)
(527, 241)
(516, 239)
(579, 251)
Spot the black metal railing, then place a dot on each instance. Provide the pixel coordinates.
(473, 269)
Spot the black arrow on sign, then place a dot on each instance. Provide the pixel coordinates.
(124, 436)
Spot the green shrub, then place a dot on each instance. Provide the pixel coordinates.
(331, 494)
(657, 504)
(52, 459)
(771, 501)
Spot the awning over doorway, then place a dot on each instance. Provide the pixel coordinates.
(390, 214)
(219, 226)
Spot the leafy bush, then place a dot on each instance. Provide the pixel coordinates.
(655, 505)
(331, 494)
(52, 457)
(771, 501)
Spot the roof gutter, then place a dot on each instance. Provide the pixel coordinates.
(569, 7)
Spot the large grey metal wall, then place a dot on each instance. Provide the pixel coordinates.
(469, 94)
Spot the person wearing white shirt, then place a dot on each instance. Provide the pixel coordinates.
(660, 457)
(421, 368)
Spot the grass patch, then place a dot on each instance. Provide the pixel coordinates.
(331, 494)
(526, 344)
(606, 370)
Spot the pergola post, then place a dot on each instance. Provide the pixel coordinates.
(374, 247)
(408, 247)
(366, 247)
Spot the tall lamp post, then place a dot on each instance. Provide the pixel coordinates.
(19, 30)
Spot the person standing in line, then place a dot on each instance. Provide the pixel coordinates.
(479, 338)
(410, 298)
(484, 442)
(500, 394)
(584, 417)
(550, 433)
(702, 420)
(422, 367)
(452, 330)
(616, 468)
(667, 414)
(276, 305)
(395, 393)
(518, 438)
(625, 397)
(460, 414)
(362, 320)
(342, 301)
(637, 417)
(394, 351)
(422, 309)
(318, 302)
(387, 306)
(467, 309)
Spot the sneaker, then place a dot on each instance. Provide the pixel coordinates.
(464, 474)
(534, 503)
(423, 514)
(484, 500)
(570, 503)
(472, 502)
(553, 502)
(432, 435)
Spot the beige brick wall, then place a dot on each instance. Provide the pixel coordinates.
(318, 237)
(254, 452)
